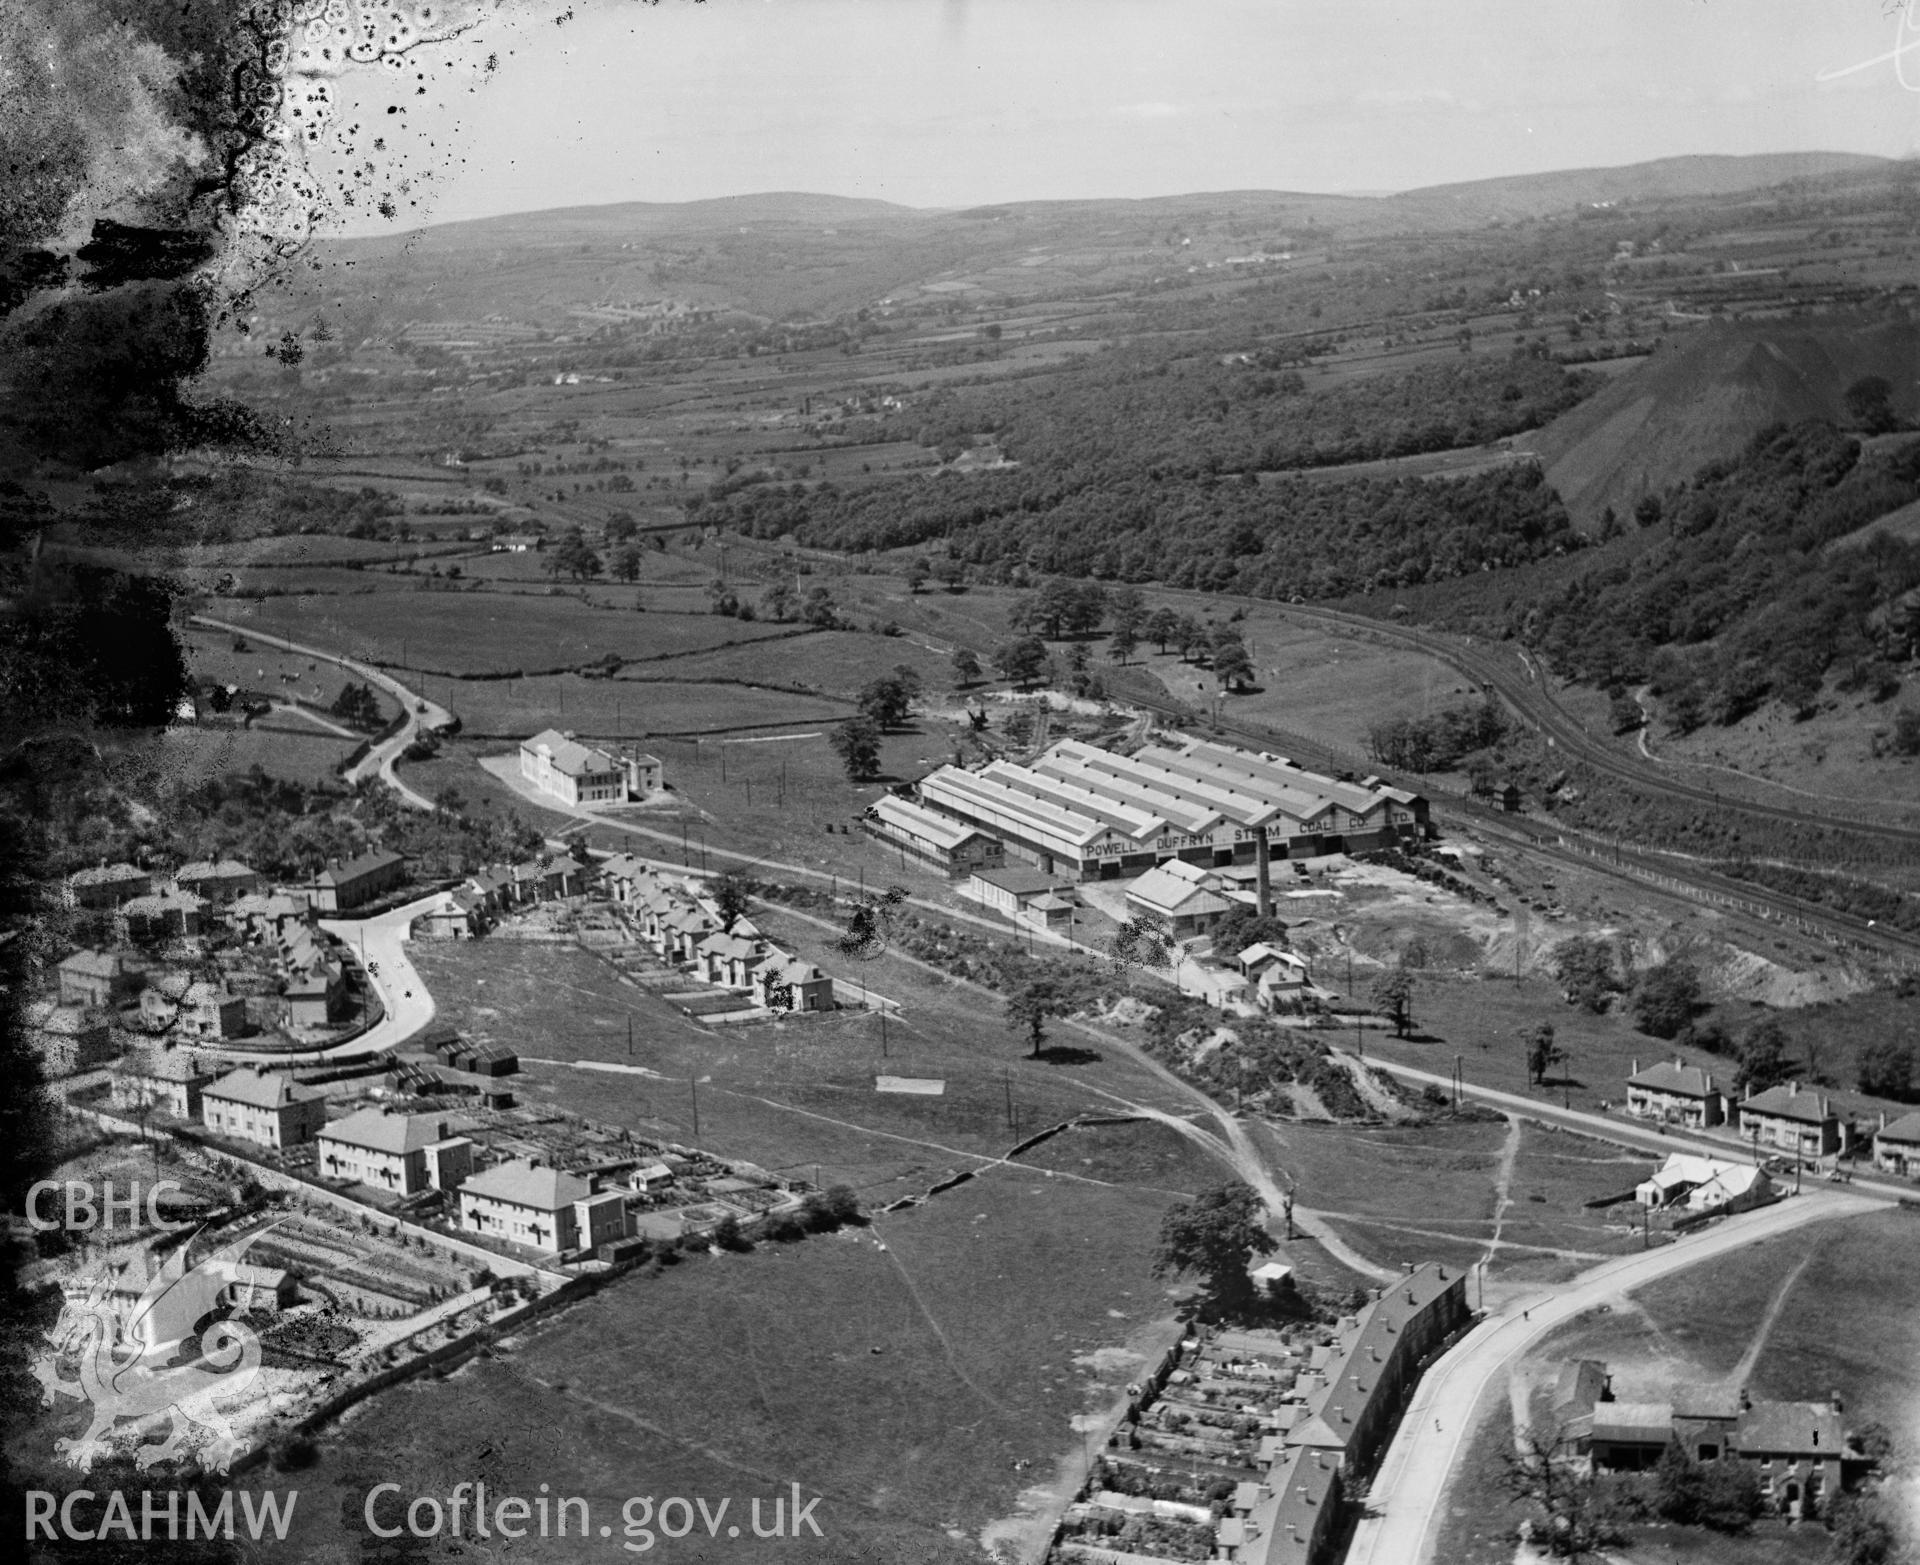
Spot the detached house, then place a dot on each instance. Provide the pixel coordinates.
(1802, 1123)
(401, 1153)
(1896, 1147)
(268, 1109)
(172, 1083)
(1675, 1094)
(788, 984)
(531, 1204)
(95, 978)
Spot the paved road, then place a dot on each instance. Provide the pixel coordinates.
(1409, 1493)
(1626, 1131)
(404, 996)
(379, 761)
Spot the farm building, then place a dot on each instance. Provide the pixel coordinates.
(402, 1153)
(268, 1109)
(342, 887)
(1675, 1093)
(575, 773)
(1896, 1147)
(172, 1083)
(525, 1203)
(1802, 1123)
(929, 836)
(1090, 813)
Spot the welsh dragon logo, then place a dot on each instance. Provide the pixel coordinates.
(145, 1357)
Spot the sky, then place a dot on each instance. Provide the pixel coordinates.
(948, 103)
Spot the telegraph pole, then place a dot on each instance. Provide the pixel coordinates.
(694, 1082)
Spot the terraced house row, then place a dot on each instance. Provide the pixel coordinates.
(1095, 814)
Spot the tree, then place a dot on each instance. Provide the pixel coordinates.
(1142, 941)
(1542, 1472)
(1667, 999)
(357, 704)
(1886, 1070)
(857, 742)
(1542, 1052)
(1030, 1006)
(819, 610)
(886, 701)
(1625, 714)
(1869, 405)
(1161, 627)
(918, 570)
(1127, 608)
(1868, 1529)
(1122, 643)
(1392, 997)
(1724, 1495)
(730, 896)
(1189, 636)
(626, 562)
(1231, 665)
(1216, 1235)
(574, 556)
(621, 526)
(966, 666)
(778, 601)
(1242, 926)
(1764, 1060)
(1584, 967)
(1021, 660)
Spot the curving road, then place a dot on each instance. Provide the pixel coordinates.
(379, 761)
(1409, 1493)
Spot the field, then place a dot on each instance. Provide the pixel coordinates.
(459, 632)
(1505, 1192)
(901, 1373)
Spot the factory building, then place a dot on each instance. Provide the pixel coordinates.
(1087, 813)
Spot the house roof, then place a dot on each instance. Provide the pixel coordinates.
(169, 1065)
(1730, 1180)
(1789, 1429)
(378, 1130)
(1017, 880)
(1670, 1076)
(1686, 1168)
(1381, 1325)
(1789, 1102)
(1705, 1402)
(528, 1184)
(269, 1091)
(1165, 889)
(1579, 1385)
(1904, 1129)
(943, 831)
(71, 1021)
(208, 869)
(107, 875)
(94, 964)
(1648, 1423)
(358, 868)
(569, 756)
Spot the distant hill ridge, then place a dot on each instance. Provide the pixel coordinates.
(1513, 195)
